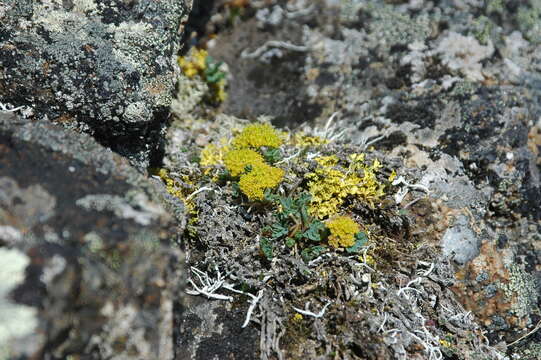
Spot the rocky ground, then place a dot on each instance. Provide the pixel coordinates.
(333, 179)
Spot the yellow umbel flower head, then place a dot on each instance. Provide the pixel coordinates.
(258, 135)
(343, 230)
(262, 176)
(237, 160)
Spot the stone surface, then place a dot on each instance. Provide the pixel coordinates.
(446, 93)
(105, 67)
(104, 269)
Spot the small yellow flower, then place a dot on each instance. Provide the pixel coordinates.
(194, 63)
(445, 343)
(258, 135)
(302, 139)
(237, 160)
(262, 176)
(392, 176)
(343, 230)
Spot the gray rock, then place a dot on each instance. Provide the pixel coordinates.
(460, 243)
(212, 330)
(104, 272)
(103, 66)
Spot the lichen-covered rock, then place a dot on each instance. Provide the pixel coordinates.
(213, 330)
(446, 93)
(104, 270)
(102, 66)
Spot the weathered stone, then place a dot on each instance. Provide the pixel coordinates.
(102, 66)
(104, 269)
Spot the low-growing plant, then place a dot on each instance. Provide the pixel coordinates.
(295, 227)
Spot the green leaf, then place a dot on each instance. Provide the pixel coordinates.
(287, 205)
(209, 60)
(304, 199)
(272, 155)
(360, 241)
(215, 77)
(312, 252)
(290, 242)
(269, 196)
(213, 74)
(313, 231)
(278, 230)
(266, 247)
(236, 189)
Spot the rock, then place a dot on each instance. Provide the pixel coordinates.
(445, 93)
(101, 66)
(460, 243)
(212, 330)
(104, 272)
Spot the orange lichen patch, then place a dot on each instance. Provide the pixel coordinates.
(479, 287)
(155, 87)
(64, 118)
(534, 142)
(432, 218)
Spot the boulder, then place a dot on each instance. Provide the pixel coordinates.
(96, 268)
(105, 67)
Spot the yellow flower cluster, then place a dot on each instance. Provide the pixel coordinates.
(258, 135)
(330, 186)
(301, 139)
(196, 63)
(261, 177)
(236, 161)
(343, 230)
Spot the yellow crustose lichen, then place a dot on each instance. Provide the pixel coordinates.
(175, 189)
(330, 186)
(342, 231)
